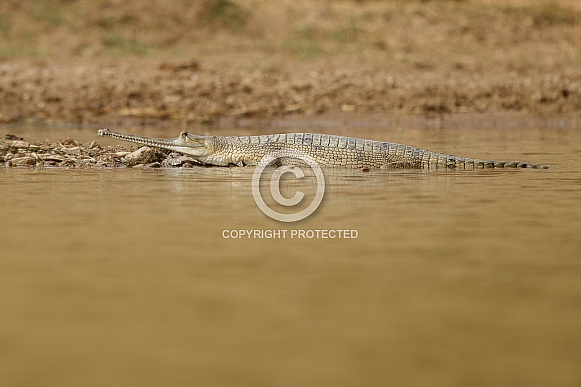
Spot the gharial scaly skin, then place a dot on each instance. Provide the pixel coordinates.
(327, 150)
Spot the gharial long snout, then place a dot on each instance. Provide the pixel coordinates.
(185, 143)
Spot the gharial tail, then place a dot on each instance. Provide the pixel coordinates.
(469, 163)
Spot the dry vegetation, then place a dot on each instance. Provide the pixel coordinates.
(195, 60)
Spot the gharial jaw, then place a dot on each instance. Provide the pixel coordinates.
(186, 143)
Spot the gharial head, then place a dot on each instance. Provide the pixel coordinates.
(186, 143)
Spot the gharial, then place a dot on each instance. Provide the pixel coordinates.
(327, 150)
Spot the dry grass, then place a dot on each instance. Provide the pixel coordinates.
(513, 35)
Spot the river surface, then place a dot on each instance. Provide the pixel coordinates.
(449, 278)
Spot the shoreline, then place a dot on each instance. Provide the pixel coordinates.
(83, 91)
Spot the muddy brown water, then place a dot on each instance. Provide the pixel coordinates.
(124, 277)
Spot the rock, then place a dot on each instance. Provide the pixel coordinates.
(74, 149)
(177, 160)
(21, 161)
(55, 158)
(18, 144)
(12, 137)
(144, 155)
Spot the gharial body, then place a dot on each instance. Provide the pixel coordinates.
(327, 150)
